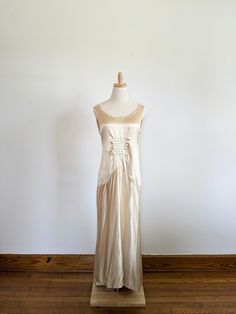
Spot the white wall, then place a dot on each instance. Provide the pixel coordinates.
(60, 58)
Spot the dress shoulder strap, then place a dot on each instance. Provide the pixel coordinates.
(96, 113)
(141, 112)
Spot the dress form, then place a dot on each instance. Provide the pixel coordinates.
(118, 260)
(120, 103)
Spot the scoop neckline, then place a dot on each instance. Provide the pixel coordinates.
(119, 117)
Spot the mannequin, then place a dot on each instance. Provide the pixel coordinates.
(119, 104)
(118, 259)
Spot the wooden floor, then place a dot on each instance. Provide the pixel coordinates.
(166, 292)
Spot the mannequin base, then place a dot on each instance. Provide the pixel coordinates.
(123, 297)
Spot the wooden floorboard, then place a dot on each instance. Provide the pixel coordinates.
(166, 293)
(85, 262)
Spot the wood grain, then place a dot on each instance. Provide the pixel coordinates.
(85, 262)
(166, 293)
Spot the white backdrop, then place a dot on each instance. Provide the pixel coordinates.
(60, 58)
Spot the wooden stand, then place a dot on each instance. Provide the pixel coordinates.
(102, 296)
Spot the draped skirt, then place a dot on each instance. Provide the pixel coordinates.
(118, 259)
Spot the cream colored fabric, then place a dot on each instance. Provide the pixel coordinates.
(118, 260)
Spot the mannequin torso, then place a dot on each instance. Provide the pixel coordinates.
(119, 104)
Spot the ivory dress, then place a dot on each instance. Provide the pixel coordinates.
(118, 259)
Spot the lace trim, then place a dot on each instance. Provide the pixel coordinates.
(119, 117)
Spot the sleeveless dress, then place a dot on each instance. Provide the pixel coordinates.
(118, 259)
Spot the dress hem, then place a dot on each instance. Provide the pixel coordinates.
(111, 287)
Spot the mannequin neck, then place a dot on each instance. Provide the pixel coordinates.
(120, 94)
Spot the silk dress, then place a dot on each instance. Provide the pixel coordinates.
(118, 259)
